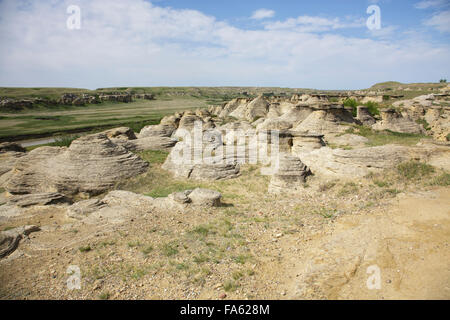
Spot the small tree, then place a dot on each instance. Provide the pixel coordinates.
(443, 81)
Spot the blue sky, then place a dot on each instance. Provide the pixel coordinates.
(315, 44)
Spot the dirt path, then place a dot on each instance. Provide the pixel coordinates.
(407, 241)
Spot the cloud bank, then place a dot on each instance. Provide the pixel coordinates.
(137, 43)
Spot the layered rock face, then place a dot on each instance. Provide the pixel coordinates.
(150, 138)
(290, 175)
(356, 162)
(326, 119)
(394, 121)
(206, 168)
(91, 165)
(363, 115)
(9, 154)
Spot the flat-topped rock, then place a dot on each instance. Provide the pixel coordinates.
(205, 197)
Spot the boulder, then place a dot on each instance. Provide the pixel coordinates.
(160, 130)
(205, 197)
(121, 133)
(91, 165)
(82, 209)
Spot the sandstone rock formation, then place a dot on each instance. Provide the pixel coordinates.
(9, 240)
(207, 168)
(357, 162)
(91, 165)
(290, 175)
(9, 153)
(326, 119)
(394, 121)
(363, 115)
(42, 199)
(205, 197)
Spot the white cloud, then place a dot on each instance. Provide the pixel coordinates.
(136, 43)
(262, 14)
(313, 24)
(440, 21)
(430, 4)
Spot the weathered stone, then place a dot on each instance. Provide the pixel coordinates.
(356, 162)
(91, 165)
(363, 115)
(327, 119)
(394, 121)
(205, 197)
(290, 175)
(180, 197)
(205, 168)
(121, 133)
(82, 209)
(42, 199)
(9, 240)
(160, 130)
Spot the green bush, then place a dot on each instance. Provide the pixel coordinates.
(372, 107)
(64, 141)
(351, 103)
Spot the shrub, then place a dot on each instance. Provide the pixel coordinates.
(351, 103)
(372, 107)
(64, 141)
(424, 123)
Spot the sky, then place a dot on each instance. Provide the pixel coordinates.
(322, 44)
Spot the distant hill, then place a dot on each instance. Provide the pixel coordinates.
(394, 85)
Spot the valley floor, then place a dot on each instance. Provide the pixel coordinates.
(316, 245)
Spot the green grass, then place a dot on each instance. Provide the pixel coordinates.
(94, 118)
(147, 250)
(379, 138)
(169, 249)
(351, 103)
(85, 249)
(424, 123)
(441, 180)
(154, 156)
(414, 170)
(104, 296)
(372, 107)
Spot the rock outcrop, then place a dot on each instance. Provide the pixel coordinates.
(394, 121)
(9, 240)
(205, 197)
(91, 165)
(356, 162)
(290, 175)
(206, 168)
(42, 199)
(363, 115)
(327, 119)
